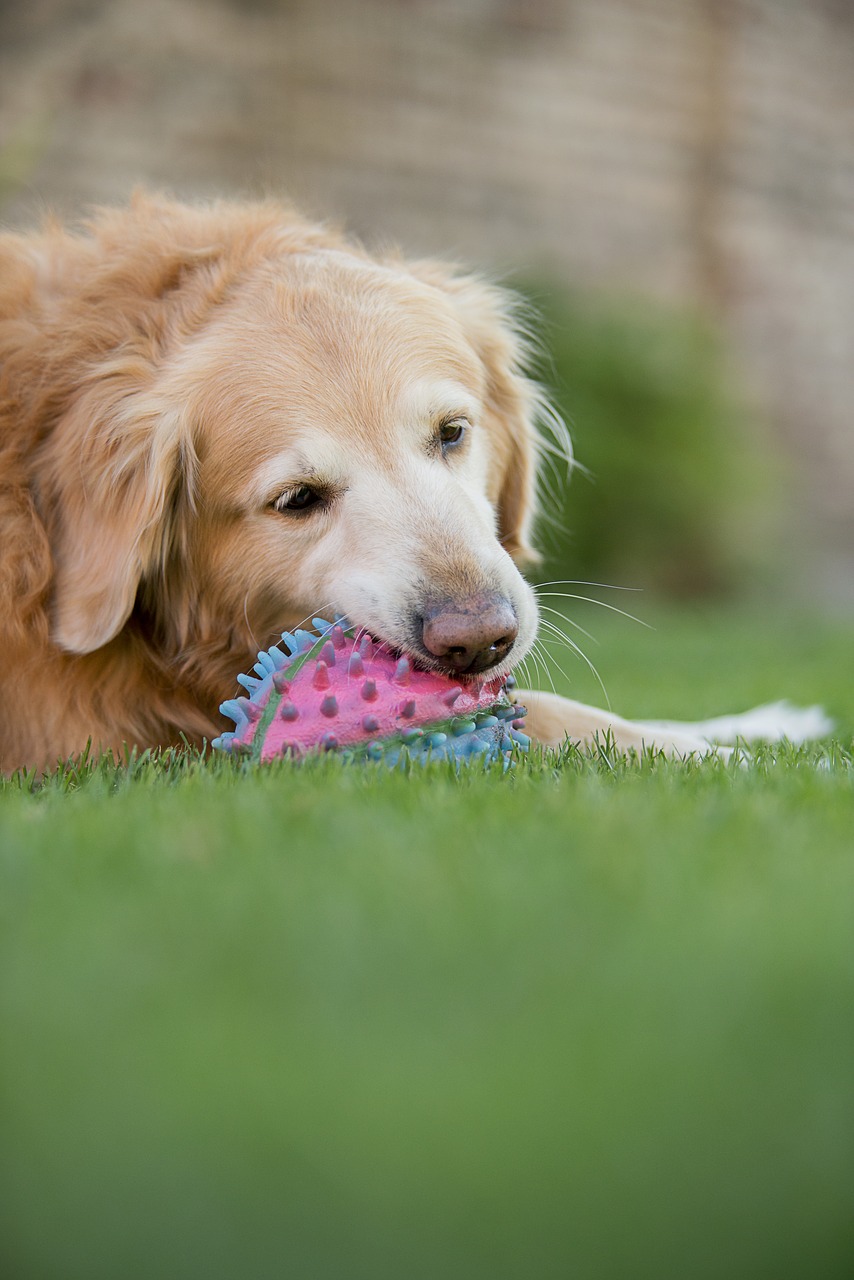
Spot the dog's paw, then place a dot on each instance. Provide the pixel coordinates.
(770, 723)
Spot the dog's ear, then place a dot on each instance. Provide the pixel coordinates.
(105, 497)
(489, 318)
(107, 472)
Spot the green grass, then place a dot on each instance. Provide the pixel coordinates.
(589, 1018)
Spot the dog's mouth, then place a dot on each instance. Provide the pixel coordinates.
(472, 674)
(486, 666)
(470, 639)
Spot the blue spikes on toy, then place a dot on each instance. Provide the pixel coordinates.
(321, 625)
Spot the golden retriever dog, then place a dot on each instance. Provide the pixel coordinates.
(218, 421)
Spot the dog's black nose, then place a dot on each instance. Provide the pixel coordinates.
(472, 635)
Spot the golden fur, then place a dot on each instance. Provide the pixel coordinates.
(165, 376)
(149, 369)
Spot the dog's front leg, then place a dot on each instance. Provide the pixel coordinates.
(553, 720)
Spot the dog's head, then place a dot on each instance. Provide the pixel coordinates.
(289, 427)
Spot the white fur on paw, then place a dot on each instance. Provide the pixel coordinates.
(770, 723)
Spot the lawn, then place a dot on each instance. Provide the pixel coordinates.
(586, 1018)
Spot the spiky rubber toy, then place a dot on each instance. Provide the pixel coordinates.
(334, 690)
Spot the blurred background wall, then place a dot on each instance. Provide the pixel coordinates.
(688, 159)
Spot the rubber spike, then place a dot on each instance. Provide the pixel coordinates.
(366, 648)
(321, 625)
(250, 684)
(461, 727)
(291, 641)
(320, 679)
(305, 639)
(329, 706)
(327, 653)
(288, 711)
(369, 691)
(281, 683)
(451, 696)
(403, 672)
(338, 637)
(356, 666)
(370, 724)
(407, 709)
(328, 742)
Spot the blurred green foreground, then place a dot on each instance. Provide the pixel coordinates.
(584, 1019)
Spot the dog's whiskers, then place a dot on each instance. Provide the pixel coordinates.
(563, 638)
(583, 582)
(543, 642)
(545, 608)
(252, 635)
(538, 657)
(568, 595)
(525, 671)
(543, 656)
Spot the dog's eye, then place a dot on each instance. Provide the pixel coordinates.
(301, 498)
(452, 433)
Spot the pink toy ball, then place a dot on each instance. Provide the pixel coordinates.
(338, 690)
